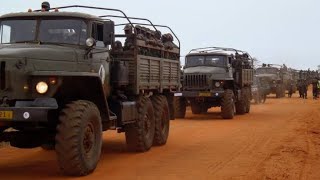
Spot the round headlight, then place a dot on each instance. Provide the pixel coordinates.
(217, 84)
(90, 42)
(42, 87)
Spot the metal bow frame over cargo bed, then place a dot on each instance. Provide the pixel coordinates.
(151, 65)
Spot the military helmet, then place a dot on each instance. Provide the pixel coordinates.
(127, 27)
(45, 5)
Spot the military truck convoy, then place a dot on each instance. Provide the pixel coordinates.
(65, 78)
(217, 77)
(260, 89)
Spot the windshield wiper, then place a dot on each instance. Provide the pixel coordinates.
(28, 41)
(39, 42)
(53, 43)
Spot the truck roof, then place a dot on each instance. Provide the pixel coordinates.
(50, 14)
(209, 54)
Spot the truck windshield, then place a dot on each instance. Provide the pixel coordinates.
(62, 31)
(267, 71)
(13, 31)
(206, 61)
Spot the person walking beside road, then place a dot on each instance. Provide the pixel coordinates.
(305, 90)
(315, 86)
(300, 85)
(318, 88)
(290, 90)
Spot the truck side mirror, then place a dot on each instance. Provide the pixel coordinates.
(108, 32)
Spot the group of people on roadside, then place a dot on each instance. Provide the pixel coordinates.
(303, 88)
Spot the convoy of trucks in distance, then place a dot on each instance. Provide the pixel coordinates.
(66, 77)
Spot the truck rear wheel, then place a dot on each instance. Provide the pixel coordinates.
(241, 107)
(180, 106)
(248, 99)
(248, 106)
(279, 93)
(227, 105)
(79, 138)
(162, 119)
(140, 135)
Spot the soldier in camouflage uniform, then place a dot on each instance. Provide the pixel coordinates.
(129, 37)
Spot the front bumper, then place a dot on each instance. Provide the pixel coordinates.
(203, 94)
(28, 111)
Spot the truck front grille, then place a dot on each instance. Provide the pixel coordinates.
(196, 81)
(2, 75)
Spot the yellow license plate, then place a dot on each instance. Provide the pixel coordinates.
(6, 114)
(205, 94)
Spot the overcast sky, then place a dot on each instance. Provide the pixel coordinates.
(273, 31)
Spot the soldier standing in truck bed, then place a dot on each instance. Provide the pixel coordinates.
(45, 6)
(129, 37)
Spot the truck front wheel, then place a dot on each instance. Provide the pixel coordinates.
(140, 135)
(79, 138)
(227, 105)
(162, 118)
(180, 106)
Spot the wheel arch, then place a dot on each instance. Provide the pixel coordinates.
(88, 88)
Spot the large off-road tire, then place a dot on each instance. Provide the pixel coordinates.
(279, 92)
(162, 119)
(247, 95)
(227, 105)
(283, 92)
(248, 106)
(180, 107)
(79, 138)
(140, 135)
(204, 109)
(264, 98)
(256, 100)
(241, 107)
(196, 108)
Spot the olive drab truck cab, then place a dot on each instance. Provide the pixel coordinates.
(260, 89)
(65, 77)
(217, 77)
(278, 77)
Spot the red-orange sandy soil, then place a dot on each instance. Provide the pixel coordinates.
(277, 140)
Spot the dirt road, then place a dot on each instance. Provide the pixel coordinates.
(278, 140)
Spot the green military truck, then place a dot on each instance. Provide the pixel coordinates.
(216, 77)
(65, 77)
(278, 76)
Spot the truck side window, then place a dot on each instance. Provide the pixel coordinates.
(97, 34)
(5, 34)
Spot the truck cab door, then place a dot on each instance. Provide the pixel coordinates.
(100, 55)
